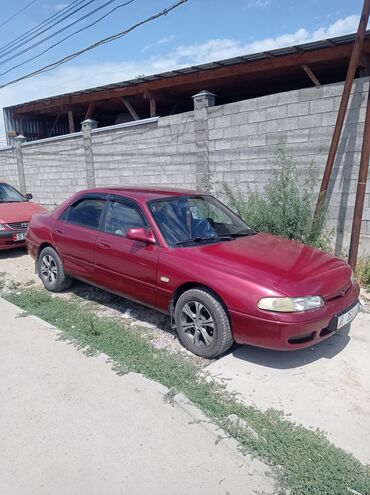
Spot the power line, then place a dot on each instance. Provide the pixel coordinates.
(104, 41)
(66, 38)
(17, 13)
(41, 24)
(47, 38)
(21, 43)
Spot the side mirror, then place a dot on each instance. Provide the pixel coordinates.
(140, 234)
(29, 197)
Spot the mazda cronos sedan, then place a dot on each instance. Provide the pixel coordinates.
(186, 254)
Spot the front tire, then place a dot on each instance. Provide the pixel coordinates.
(202, 324)
(51, 271)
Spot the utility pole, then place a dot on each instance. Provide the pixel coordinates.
(356, 52)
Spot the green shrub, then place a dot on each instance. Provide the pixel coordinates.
(363, 272)
(286, 205)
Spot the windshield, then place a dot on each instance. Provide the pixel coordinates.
(186, 220)
(10, 195)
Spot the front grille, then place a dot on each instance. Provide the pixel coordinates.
(18, 225)
(338, 294)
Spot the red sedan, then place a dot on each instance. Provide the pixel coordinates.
(186, 254)
(15, 213)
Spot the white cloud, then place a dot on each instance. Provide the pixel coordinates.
(261, 4)
(72, 78)
(162, 41)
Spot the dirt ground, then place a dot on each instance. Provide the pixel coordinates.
(19, 268)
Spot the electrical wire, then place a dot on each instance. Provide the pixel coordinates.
(103, 41)
(42, 24)
(39, 42)
(37, 34)
(66, 38)
(17, 13)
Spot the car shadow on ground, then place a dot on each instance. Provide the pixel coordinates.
(326, 349)
(13, 253)
(123, 306)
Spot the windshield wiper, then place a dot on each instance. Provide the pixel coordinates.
(204, 239)
(242, 233)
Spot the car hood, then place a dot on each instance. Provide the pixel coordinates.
(18, 212)
(277, 263)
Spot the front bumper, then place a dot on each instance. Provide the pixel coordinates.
(290, 331)
(7, 240)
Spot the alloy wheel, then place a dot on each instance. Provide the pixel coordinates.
(197, 324)
(49, 269)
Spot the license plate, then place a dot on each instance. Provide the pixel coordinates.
(19, 237)
(348, 316)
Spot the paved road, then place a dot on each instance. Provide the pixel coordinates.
(326, 386)
(69, 425)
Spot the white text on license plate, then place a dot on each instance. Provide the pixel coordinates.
(347, 317)
(19, 237)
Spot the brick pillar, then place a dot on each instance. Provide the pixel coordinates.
(202, 101)
(18, 141)
(87, 126)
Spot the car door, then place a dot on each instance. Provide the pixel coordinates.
(75, 234)
(126, 266)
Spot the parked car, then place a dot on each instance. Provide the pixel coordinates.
(186, 254)
(15, 213)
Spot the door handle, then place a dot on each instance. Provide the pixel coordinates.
(104, 245)
(59, 231)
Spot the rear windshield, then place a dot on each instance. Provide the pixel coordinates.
(10, 195)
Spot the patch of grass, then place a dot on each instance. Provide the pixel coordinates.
(363, 272)
(304, 462)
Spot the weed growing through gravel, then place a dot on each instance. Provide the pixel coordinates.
(304, 462)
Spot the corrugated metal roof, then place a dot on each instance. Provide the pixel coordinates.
(304, 47)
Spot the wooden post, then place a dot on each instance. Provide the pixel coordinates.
(356, 52)
(90, 110)
(311, 75)
(361, 189)
(130, 108)
(71, 122)
(153, 107)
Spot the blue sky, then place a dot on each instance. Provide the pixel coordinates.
(196, 32)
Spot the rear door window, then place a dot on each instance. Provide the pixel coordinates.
(87, 213)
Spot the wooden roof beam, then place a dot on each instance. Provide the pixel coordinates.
(311, 75)
(201, 77)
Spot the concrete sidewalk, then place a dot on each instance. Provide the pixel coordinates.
(69, 425)
(325, 386)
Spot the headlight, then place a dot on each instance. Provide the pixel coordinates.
(290, 304)
(2, 227)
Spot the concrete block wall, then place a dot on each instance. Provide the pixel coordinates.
(8, 167)
(54, 169)
(157, 153)
(243, 137)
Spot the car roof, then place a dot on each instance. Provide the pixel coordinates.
(146, 193)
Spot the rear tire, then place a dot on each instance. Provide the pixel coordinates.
(51, 271)
(202, 323)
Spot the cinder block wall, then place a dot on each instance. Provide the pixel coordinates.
(243, 138)
(8, 167)
(54, 169)
(159, 153)
(236, 143)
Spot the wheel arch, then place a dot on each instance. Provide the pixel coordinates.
(44, 245)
